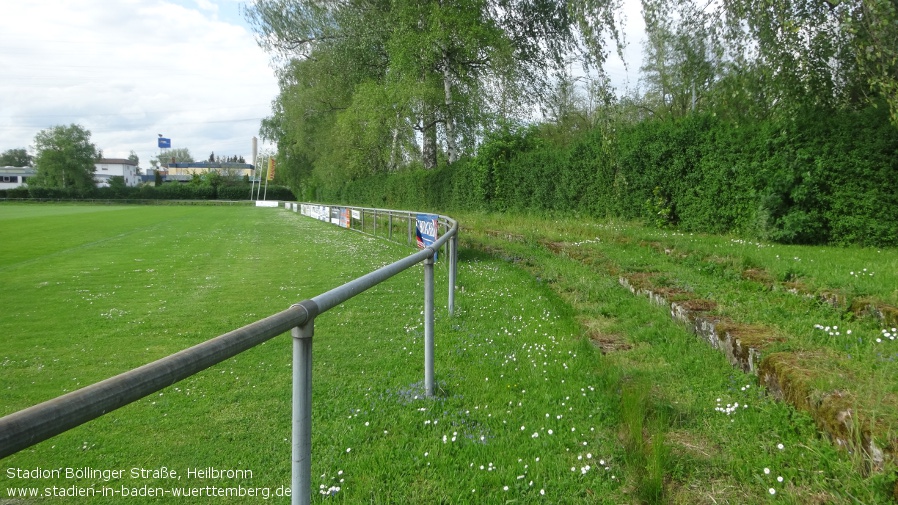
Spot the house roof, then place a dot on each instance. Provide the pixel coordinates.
(116, 161)
(17, 171)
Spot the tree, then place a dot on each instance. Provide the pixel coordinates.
(681, 56)
(383, 75)
(64, 157)
(179, 155)
(134, 158)
(875, 25)
(15, 158)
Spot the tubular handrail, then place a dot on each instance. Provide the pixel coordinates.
(40, 422)
(35, 424)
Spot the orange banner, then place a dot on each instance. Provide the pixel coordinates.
(270, 169)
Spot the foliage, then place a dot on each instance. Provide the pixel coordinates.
(370, 87)
(875, 26)
(822, 177)
(15, 158)
(178, 154)
(752, 117)
(64, 158)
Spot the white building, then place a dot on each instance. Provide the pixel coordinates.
(13, 177)
(111, 167)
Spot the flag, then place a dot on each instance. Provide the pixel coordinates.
(270, 169)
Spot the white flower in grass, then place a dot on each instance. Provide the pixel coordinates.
(766, 471)
(780, 446)
(779, 478)
(771, 491)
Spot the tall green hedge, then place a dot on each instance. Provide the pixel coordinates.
(821, 176)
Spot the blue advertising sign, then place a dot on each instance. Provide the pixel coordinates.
(426, 230)
(164, 143)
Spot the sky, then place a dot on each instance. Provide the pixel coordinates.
(129, 70)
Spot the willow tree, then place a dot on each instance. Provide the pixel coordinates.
(433, 72)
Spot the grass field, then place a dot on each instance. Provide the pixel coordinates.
(528, 409)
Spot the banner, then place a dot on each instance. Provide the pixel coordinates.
(270, 169)
(426, 229)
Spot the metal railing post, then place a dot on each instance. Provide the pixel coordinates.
(391, 226)
(375, 223)
(452, 257)
(409, 228)
(428, 326)
(301, 484)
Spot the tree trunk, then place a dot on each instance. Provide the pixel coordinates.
(451, 145)
(429, 144)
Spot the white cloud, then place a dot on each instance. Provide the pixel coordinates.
(129, 70)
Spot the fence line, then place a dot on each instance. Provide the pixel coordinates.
(35, 424)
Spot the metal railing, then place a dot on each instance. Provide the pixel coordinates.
(32, 425)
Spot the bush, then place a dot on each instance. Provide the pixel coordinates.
(19, 192)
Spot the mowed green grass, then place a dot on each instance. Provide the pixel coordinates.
(527, 410)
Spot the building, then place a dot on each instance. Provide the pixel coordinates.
(185, 172)
(13, 177)
(105, 168)
(224, 169)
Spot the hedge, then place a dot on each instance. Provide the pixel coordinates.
(821, 176)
